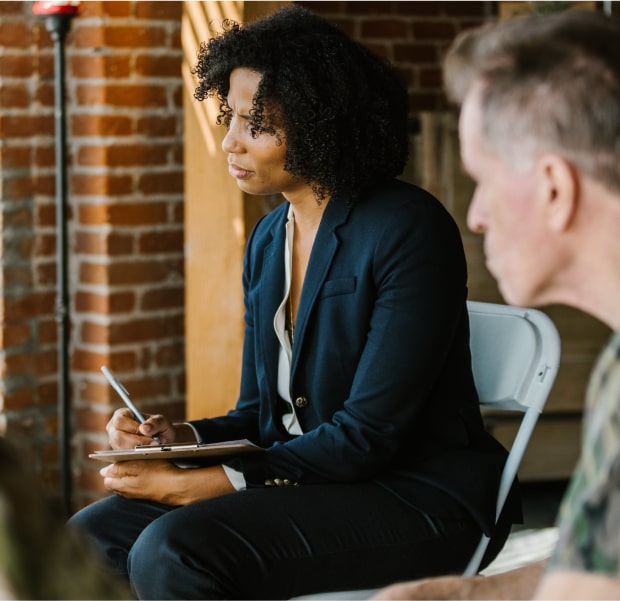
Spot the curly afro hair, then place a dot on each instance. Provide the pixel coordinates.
(342, 109)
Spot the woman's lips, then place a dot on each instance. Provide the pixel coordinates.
(238, 172)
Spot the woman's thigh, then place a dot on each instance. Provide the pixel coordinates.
(277, 543)
(113, 524)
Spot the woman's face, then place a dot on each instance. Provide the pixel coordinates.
(256, 163)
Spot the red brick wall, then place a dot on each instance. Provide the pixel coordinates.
(412, 35)
(125, 204)
(125, 227)
(127, 189)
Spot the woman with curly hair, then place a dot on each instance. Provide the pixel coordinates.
(356, 374)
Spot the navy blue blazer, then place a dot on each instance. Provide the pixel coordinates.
(381, 368)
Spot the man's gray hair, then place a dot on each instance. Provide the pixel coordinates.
(551, 82)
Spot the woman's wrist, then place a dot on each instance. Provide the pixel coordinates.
(185, 433)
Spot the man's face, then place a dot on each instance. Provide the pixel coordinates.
(506, 208)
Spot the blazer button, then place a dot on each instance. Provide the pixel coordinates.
(301, 402)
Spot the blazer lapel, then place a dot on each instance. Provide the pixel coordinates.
(323, 251)
(272, 291)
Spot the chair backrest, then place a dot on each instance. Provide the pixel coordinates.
(515, 358)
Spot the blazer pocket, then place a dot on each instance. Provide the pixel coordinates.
(339, 286)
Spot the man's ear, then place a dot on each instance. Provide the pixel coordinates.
(559, 190)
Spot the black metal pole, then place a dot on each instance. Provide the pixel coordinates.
(58, 26)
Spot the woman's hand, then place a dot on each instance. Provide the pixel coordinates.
(161, 481)
(124, 432)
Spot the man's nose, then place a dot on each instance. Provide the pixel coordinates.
(476, 220)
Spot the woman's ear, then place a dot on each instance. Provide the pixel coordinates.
(559, 191)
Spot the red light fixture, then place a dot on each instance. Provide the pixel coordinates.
(55, 7)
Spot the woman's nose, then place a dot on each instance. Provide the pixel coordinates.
(231, 141)
(228, 143)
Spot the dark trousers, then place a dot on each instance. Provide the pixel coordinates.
(274, 543)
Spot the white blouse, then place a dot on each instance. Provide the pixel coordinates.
(289, 420)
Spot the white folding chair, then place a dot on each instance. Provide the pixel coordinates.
(515, 359)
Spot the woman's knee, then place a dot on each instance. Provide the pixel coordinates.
(171, 560)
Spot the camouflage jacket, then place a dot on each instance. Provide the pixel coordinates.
(589, 517)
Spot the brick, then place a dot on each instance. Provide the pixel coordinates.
(85, 36)
(44, 185)
(94, 333)
(39, 363)
(424, 101)
(161, 183)
(33, 305)
(120, 36)
(113, 8)
(14, 95)
(147, 213)
(384, 28)
(324, 7)
(45, 245)
(162, 298)
(134, 95)
(15, 35)
(15, 216)
(419, 9)
(433, 30)
(15, 335)
(22, 398)
(99, 243)
(158, 242)
(16, 65)
(467, 8)
(147, 387)
(157, 127)
(45, 94)
(123, 214)
(178, 155)
(164, 10)
(26, 126)
(431, 78)
(375, 7)
(11, 8)
(45, 274)
(14, 156)
(48, 331)
(49, 454)
(104, 304)
(139, 330)
(92, 421)
(17, 187)
(100, 125)
(15, 276)
(415, 53)
(45, 156)
(170, 355)
(123, 155)
(135, 36)
(144, 272)
(97, 185)
(88, 360)
(93, 273)
(107, 65)
(158, 66)
(179, 213)
(46, 215)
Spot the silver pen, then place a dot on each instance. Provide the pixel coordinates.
(122, 392)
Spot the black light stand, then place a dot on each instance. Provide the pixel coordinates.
(58, 17)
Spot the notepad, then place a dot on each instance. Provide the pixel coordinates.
(177, 451)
